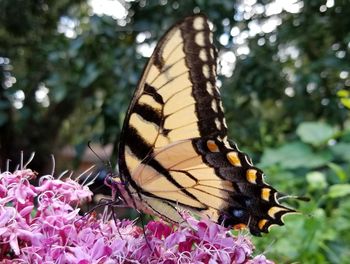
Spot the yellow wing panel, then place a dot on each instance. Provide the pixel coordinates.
(189, 181)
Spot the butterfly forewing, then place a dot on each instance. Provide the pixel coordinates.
(172, 98)
(174, 150)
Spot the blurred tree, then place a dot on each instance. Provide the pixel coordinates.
(29, 37)
(67, 74)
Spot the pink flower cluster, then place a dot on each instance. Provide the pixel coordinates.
(41, 224)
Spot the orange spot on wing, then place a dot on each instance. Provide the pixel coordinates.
(212, 146)
(233, 158)
(251, 175)
(262, 223)
(265, 194)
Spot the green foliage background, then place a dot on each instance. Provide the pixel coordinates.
(290, 112)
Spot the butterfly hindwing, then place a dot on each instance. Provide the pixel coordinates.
(252, 202)
(174, 151)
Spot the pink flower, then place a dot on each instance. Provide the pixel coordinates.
(42, 224)
(159, 229)
(260, 259)
(98, 253)
(11, 228)
(70, 191)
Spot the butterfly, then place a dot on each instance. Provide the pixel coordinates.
(174, 152)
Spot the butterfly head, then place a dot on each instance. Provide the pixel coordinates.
(115, 183)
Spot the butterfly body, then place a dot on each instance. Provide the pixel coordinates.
(174, 152)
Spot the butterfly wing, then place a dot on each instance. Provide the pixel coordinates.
(174, 150)
(172, 97)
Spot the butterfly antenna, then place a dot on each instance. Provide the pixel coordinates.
(98, 156)
(105, 154)
(107, 164)
(93, 151)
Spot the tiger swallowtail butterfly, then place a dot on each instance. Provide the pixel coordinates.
(174, 152)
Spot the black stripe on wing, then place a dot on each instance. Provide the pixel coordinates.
(211, 121)
(138, 146)
(149, 114)
(164, 172)
(150, 90)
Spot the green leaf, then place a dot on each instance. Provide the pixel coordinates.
(317, 180)
(345, 102)
(341, 174)
(339, 190)
(341, 150)
(344, 97)
(270, 157)
(315, 133)
(343, 93)
(294, 155)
